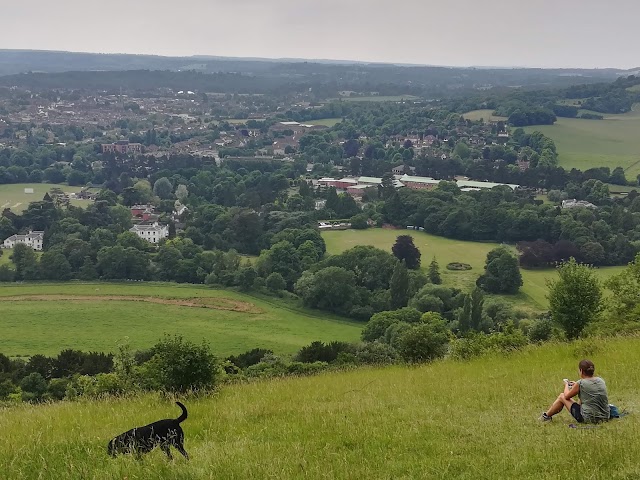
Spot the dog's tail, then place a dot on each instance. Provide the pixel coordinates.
(183, 416)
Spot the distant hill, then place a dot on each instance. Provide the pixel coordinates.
(279, 74)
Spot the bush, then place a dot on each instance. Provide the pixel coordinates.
(471, 346)
(179, 365)
(33, 386)
(376, 353)
(457, 266)
(249, 358)
(424, 342)
(319, 352)
(302, 368)
(58, 387)
(541, 330)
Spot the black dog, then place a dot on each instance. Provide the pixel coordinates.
(163, 434)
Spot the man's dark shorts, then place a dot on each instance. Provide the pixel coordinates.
(576, 412)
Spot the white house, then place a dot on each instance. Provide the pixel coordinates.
(151, 233)
(31, 239)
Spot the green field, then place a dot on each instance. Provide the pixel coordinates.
(46, 318)
(13, 196)
(5, 254)
(532, 294)
(486, 115)
(379, 98)
(583, 144)
(327, 122)
(449, 420)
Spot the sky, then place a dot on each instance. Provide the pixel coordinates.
(533, 33)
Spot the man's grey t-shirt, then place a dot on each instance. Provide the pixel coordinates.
(594, 399)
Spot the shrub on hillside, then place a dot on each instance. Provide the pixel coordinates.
(377, 326)
(180, 365)
(424, 342)
(376, 353)
(319, 352)
(33, 387)
(249, 358)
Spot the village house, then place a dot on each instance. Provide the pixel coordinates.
(31, 239)
(142, 212)
(123, 147)
(151, 233)
(573, 203)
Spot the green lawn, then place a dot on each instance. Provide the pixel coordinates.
(47, 319)
(13, 196)
(5, 254)
(447, 420)
(327, 122)
(486, 115)
(532, 294)
(612, 142)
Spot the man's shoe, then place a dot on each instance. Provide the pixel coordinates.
(545, 418)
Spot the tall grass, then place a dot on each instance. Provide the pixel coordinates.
(475, 420)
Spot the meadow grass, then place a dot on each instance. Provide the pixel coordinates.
(13, 196)
(486, 115)
(471, 420)
(5, 253)
(532, 294)
(583, 144)
(44, 318)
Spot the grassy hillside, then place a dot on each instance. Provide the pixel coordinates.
(475, 420)
(533, 293)
(46, 318)
(612, 142)
(13, 196)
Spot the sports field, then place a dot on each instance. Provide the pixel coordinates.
(446, 420)
(46, 318)
(532, 294)
(12, 196)
(327, 122)
(486, 115)
(583, 144)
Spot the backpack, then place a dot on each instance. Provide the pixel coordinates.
(613, 411)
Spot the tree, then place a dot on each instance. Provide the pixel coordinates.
(163, 188)
(464, 318)
(575, 298)
(399, 286)
(406, 251)
(502, 274)
(182, 192)
(88, 270)
(54, 266)
(25, 261)
(331, 288)
(33, 386)
(246, 277)
(477, 302)
(275, 282)
(434, 272)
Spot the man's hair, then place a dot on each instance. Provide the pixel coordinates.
(587, 367)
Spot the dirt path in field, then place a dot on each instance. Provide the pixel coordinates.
(202, 302)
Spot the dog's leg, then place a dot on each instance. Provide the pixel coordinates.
(181, 449)
(166, 448)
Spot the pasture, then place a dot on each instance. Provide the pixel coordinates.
(4, 255)
(12, 195)
(532, 294)
(454, 420)
(46, 318)
(583, 144)
(486, 115)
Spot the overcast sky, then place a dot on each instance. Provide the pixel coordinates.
(541, 33)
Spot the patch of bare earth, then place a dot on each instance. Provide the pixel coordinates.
(205, 302)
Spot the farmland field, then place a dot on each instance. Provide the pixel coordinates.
(13, 196)
(453, 420)
(583, 144)
(46, 318)
(533, 293)
(486, 115)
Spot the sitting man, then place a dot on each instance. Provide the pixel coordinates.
(592, 392)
